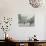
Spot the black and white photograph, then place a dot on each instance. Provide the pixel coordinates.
(26, 20)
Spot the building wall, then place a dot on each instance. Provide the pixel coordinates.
(10, 8)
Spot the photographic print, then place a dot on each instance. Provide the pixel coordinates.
(26, 20)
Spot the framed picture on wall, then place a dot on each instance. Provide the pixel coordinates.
(26, 20)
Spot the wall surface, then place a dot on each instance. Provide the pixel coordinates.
(10, 8)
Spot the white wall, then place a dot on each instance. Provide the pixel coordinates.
(45, 28)
(22, 33)
(12, 7)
